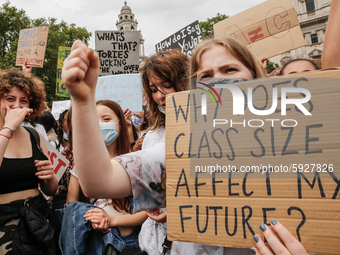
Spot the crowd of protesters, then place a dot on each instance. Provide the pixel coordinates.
(111, 197)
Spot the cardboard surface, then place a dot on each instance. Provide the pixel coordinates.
(183, 40)
(63, 53)
(118, 52)
(226, 208)
(59, 162)
(268, 29)
(32, 46)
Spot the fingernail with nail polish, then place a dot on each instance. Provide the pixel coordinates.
(262, 227)
(274, 222)
(253, 251)
(256, 239)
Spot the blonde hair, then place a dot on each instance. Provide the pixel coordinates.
(237, 49)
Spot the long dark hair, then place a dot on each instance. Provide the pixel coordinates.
(122, 147)
(60, 130)
(47, 120)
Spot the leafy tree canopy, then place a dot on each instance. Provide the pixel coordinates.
(13, 20)
(207, 28)
(271, 66)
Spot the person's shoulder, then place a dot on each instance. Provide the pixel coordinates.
(153, 137)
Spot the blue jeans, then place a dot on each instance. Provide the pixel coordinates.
(78, 237)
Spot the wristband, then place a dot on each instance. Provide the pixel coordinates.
(12, 131)
(5, 136)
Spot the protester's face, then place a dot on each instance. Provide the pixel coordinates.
(64, 123)
(159, 89)
(105, 114)
(15, 98)
(139, 115)
(298, 67)
(218, 62)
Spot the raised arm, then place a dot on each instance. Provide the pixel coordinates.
(331, 49)
(98, 176)
(13, 119)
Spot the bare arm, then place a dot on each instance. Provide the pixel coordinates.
(127, 115)
(128, 220)
(13, 119)
(331, 49)
(99, 177)
(73, 190)
(96, 216)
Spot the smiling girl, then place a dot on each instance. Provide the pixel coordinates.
(24, 165)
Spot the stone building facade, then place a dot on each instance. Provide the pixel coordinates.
(127, 22)
(313, 17)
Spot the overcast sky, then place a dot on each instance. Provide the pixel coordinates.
(156, 19)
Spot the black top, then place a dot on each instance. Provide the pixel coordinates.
(18, 174)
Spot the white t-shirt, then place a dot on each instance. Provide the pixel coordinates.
(153, 137)
(153, 233)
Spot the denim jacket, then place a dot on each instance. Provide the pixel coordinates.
(78, 237)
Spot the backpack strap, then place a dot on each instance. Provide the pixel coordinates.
(35, 135)
(166, 245)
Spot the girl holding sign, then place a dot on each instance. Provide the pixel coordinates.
(126, 175)
(24, 165)
(227, 59)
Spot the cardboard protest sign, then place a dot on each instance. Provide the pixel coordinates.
(253, 157)
(59, 106)
(32, 46)
(59, 162)
(183, 40)
(63, 53)
(118, 52)
(125, 89)
(268, 29)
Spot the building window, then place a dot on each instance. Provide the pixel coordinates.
(314, 38)
(121, 17)
(121, 28)
(317, 57)
(132, 28)
(130, 17)
(125, 16)
(310, 5)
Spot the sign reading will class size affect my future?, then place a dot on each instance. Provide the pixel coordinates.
(226, 177)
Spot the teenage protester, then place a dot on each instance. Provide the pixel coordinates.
(24, 166)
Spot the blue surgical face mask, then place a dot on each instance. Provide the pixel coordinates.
(161, 109)
(136, 121)
(65, 136)
(109, 132)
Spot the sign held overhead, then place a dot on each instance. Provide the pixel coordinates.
(268, 29)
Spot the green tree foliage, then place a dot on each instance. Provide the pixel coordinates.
(271, 66)
(13, 20)
(207, 28)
